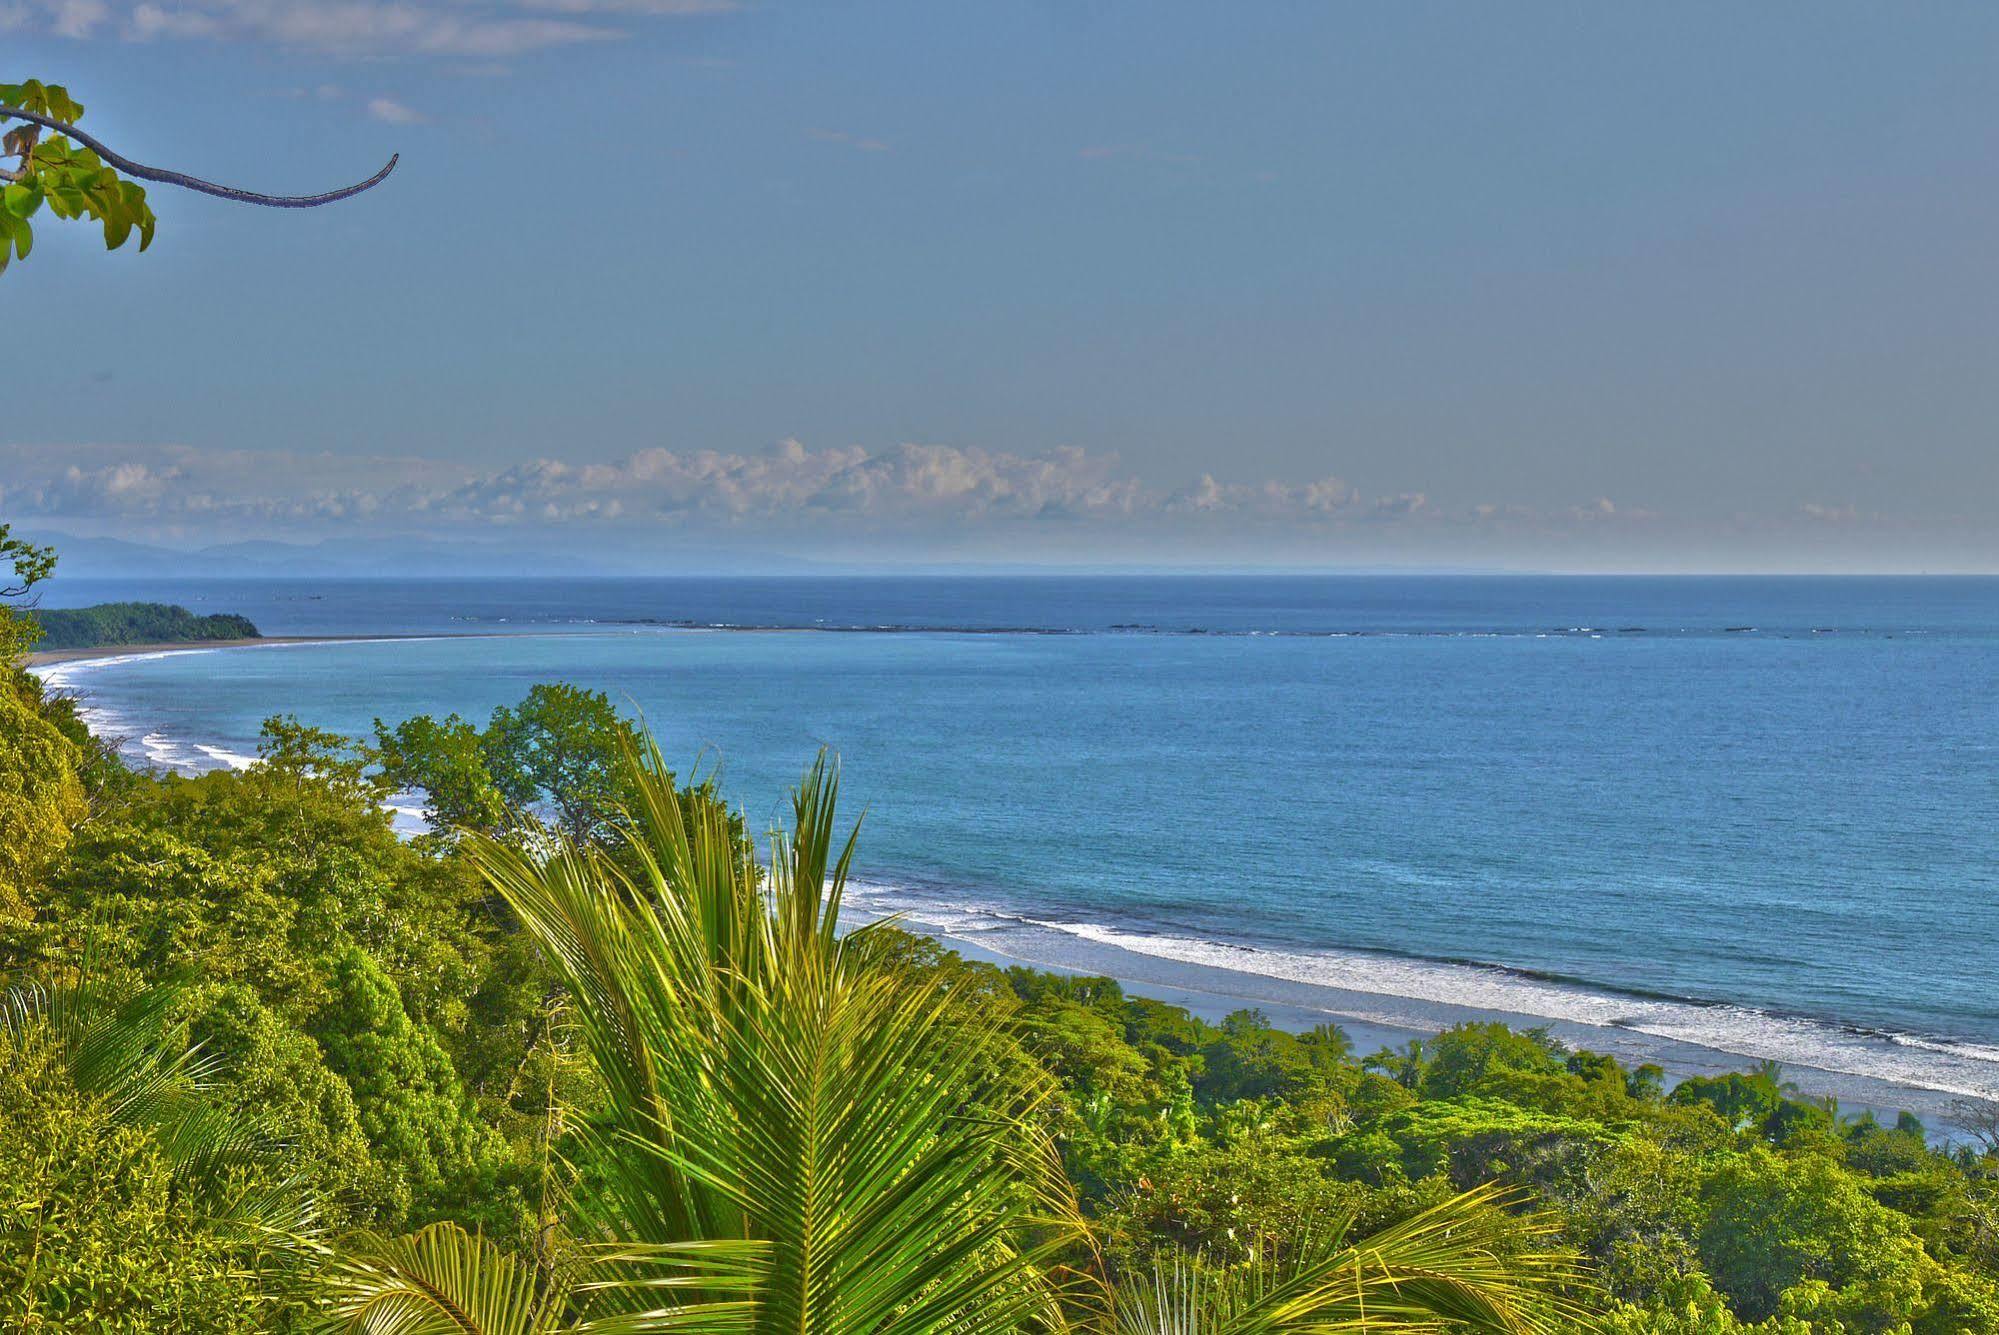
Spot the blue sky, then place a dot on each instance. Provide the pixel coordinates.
(1530, 286)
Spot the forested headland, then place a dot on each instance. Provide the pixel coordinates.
(108, 625)
(594, 1056)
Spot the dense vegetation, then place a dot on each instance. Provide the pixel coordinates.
(111, 624)
(586, 1063)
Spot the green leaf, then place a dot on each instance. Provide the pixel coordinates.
(61, 105)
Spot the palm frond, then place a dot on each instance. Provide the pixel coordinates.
(126, 1057)
(442, 1280)
(439, 1280)
(1463, 1265)
(226, 1171)
(768, 1078)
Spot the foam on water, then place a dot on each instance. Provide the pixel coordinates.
(230, 759)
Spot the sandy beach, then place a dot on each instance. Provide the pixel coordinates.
(51, 657)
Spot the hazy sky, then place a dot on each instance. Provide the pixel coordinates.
(1584, 286)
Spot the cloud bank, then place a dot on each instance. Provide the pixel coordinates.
(907, 485)
(911, 502)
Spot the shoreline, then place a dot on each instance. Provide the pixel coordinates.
(1685, 1038)
(1211, 995)
(96, 652)
(1374, 1015)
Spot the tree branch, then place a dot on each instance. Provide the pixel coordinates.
(186, 182)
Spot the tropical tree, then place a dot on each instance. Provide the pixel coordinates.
(23, 565)
(843, 1135)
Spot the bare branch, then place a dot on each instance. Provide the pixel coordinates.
(186, 182)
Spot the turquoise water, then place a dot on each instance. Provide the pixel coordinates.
(1707, 820)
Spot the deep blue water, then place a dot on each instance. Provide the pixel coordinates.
(1755, 815)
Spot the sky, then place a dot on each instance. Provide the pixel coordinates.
(663, 282)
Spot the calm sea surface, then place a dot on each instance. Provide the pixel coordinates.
(1745, 818)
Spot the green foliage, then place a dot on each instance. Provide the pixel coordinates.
(438, 1157)
(1459, 1265)
(1799, 1236)
(300, 904)
(278, 1074)
(766, 1077)
(442, 1280)
(802, 1129)
(30, 564)
(562, 753)
(136, 623)
(1248, 1059)
(643, 1036)
(70, 179)
(564, 746)
(1742, 1099)
(42, 795)
(91, 1234)
(447, 760)
(131, 1201)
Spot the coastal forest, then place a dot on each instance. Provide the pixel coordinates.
(136, 623)
(591, 1055)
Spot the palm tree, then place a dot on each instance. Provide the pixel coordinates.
(797, 1137)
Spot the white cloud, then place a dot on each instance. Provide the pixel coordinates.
(393, 112)
(1398, 507)
(77, 18)
(1328, 496)
(178, 482)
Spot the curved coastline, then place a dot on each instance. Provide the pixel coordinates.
(1381, 998)
(1386, 999)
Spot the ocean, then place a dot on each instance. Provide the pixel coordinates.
(1704, 821)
